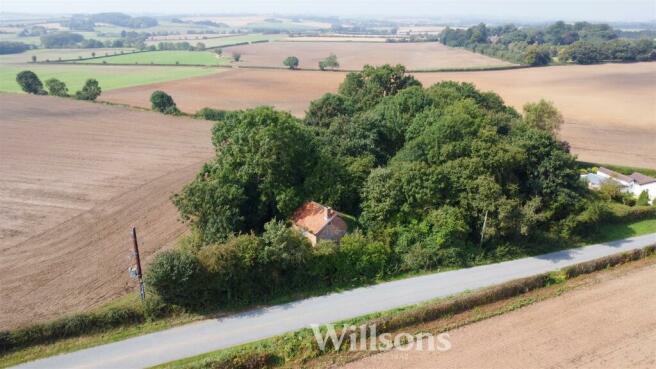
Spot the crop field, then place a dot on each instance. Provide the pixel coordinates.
(109, 77)
(531, 338)
(220, 40)
(43, 55)
(354, 55)
(75, 177)
(164, 57)
(609, 109)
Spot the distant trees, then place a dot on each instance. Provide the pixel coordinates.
(329, 63)
(543, 115)
(218, 51)
(30, 83)
(124, 20)
(236, 56)
(90, 91)
(163, 103)
(56, 87)
(537, 55)
(8, 47)
(291, 62)
(581, 43)
(57, 40)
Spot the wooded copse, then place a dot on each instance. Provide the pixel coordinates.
(581, 43)
(439, 177)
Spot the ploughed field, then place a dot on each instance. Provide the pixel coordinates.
(610, 324)
(355, 55)
(609, 109)
(75, 176)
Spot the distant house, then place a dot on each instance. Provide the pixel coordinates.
(634, 184)
(318, 222)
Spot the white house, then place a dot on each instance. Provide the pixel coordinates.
(634, 184)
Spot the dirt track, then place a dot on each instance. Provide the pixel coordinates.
(608, 325)
(609, 109)
(75, 177)
(354, 55)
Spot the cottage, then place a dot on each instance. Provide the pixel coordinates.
(634, 184)
(318, 222)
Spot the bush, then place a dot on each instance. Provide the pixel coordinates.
(90, 91)
(57, 87)
(643, 199)
(360, 258)
(30, 82)
(178, 278)
(162, 102)
(211, 114)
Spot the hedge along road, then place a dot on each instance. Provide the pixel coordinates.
(213, 334)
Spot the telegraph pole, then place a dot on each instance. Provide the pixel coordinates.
(142, 291)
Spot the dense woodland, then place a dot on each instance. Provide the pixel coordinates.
(421, 168)
(581, 43)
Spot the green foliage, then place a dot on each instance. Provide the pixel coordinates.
(30, 83)
(366, 88)
(643, 199)
(90, 91)
(56, 87)
(324, 109)
(267, 164)
(163, 103)
(178, 277)
(291, 62)
(329, 63)
(212, 114)
(236, 56)
(543, 115)
(536, 55)
(359, 258)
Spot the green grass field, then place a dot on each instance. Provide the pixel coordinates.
(227, 40)
(43, 55)
(164, 57)
(109, 77)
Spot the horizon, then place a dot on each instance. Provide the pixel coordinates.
(631, 11)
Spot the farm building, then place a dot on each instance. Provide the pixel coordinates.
(634, 184)
(318, 222)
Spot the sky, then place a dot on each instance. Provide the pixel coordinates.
(528, 10)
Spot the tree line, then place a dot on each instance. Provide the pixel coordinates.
(31, 84)
(581, 43)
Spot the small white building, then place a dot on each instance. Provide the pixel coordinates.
(634, 184)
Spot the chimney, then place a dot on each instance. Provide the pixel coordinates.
(329, 213)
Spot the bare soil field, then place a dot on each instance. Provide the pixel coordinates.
(354, 55)
(606, 325)
(75, 177)
(609, 109)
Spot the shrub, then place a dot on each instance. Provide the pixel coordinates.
(178, 278)
(643, 199)
(90, 91)
(211, 114)
(360, 258)
(163, 103)
(30, 82)
(57, 87)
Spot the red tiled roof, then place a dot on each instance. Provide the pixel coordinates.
(313, 217)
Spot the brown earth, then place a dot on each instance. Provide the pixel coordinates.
(354, 55)
(607, 325)
(75, 177)
(609, 109)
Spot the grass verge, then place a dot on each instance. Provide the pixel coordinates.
(299, 349)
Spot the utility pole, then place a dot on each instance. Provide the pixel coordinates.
(139, 276)
(483, 230)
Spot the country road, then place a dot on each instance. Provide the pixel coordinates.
(214, 334)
